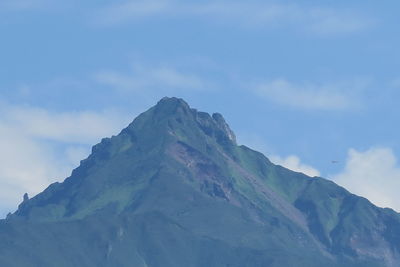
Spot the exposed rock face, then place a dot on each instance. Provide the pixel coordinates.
(224, 127)
(26, 197)
(174, 189)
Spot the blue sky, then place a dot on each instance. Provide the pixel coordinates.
(304, 82)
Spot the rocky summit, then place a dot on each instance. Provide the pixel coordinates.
(175, 189)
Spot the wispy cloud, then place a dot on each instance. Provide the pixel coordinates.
(374, 174)
(30, 159)
(122, 12)
(311, 96)
(71, 127)
(159, 78)
(320, 20)
(395, 83)
(18, 5)
(328, 21)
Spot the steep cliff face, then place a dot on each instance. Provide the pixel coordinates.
(174, 189)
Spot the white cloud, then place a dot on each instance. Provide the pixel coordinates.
(39, 147)
(293, 163)
(374, 174)
(311, 96)
(145, 79)
(326, 21)
(25, 166)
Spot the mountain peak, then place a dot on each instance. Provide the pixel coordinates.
(174, 116)
(169, 105)
(172, 101)
(174, 189)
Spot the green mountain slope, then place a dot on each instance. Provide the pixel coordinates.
(174, 189)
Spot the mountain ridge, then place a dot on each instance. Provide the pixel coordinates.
(176, 180)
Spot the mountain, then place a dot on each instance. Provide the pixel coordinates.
(175, 189)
